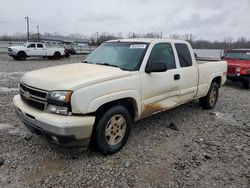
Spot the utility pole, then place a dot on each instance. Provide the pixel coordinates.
(28, 30)
(38, 35)
(96, 38)
(161, 34)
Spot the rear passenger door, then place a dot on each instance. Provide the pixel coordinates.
(160, 89)
(188, 73)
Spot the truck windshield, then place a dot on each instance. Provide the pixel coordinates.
(241, 55)
(26, 44)
(125, 55)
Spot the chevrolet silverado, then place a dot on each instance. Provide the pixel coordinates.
(121, 82)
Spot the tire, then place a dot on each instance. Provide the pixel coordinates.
(112, 130)
(57, 55)
(246, 83)
(21, 56)
(209, 101)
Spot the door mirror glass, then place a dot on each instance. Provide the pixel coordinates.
(156, 67)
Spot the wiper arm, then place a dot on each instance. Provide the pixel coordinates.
(107, 64)
(87, 62)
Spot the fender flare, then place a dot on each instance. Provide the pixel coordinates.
(101, 100)
(212, 77)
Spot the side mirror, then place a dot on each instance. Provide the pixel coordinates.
(156, 67)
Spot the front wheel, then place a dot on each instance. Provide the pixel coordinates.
(246, 83)
(113, 130)
(21, 56)
(209, 101)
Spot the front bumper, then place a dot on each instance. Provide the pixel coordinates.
(241, 78)
(12, 54)
(59, 129)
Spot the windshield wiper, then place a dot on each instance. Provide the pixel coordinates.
(107, 64)
(87, 62)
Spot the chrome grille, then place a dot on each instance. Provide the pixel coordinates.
(34, 97)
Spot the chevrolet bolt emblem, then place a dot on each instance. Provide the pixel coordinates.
(26, 94)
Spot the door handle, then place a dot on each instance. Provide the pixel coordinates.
(177, 77)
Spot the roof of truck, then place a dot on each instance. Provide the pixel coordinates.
(147, 40)
(246, 49)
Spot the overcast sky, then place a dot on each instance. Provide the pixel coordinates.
(210, 19)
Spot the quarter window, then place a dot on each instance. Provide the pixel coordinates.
(184, 55)
(163, 52)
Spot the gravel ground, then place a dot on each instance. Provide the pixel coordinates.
(183, 147)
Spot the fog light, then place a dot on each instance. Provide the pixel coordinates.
(58, 109)
(54, 138)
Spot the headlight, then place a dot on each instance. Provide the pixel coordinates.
(58, 109)
(59, 102)
(238, 69)
(60, 96)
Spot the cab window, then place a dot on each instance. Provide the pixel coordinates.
(39, 45)
(163, 52)
(183, 55)
(32, 45)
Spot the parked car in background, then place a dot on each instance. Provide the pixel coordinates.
(238, 61)
(32, 49)
(119, 83)
(70, 51)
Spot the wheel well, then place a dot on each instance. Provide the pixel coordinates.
(128, 103)
(217, 80)
(57, 53)
(22, 52)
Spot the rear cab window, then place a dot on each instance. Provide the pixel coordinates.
(184, 55)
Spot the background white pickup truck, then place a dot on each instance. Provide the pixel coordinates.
(121, 82)
(35, 50)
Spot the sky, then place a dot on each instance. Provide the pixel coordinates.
(208, 20)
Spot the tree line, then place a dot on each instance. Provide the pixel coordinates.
(97, 39)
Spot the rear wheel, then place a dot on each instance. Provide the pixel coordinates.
(209, 101)
(246, 83)
(112, 130)
(21, 56)
(57, 55)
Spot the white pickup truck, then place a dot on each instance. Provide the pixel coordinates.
(32, 49)
(121, 82)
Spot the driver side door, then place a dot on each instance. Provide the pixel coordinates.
(160, 90)
(31, 49)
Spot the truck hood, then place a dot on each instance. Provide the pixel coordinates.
(17, 47)
(238, 63)
(71, 76)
